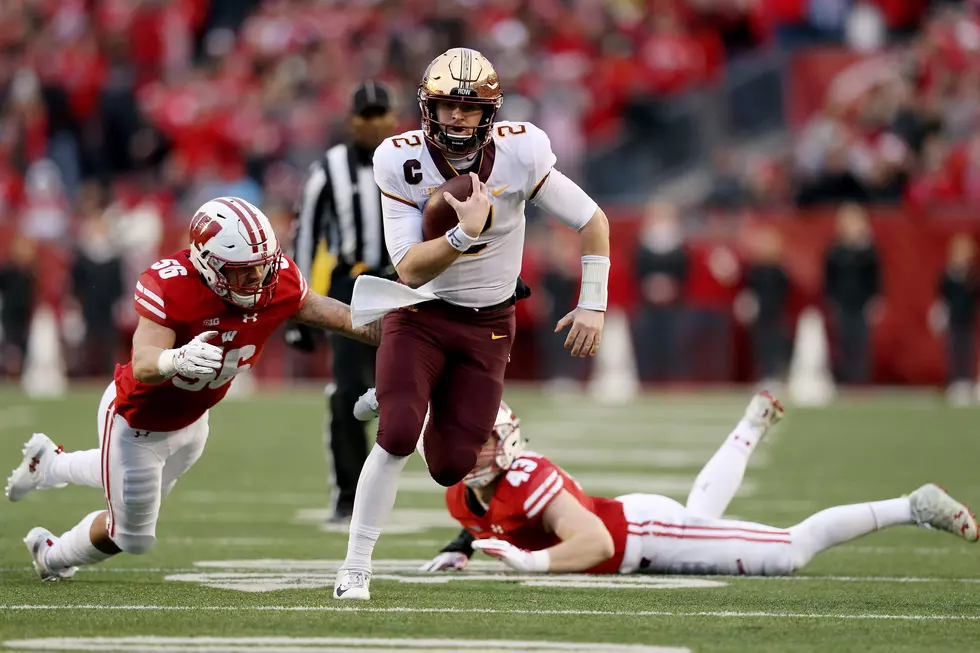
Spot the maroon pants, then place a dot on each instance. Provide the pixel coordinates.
(450, 356)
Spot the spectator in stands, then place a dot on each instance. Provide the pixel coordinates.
(729, 189)
(46, 208)
(938, 178)
(661, 269)
(97, 284)
(822, 159)
(852, 289)
(955, 313)
(17, 286)
(762, 304)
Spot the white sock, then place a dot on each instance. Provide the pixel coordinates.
(719, 480)
(377, 488)
(77, 468)
(75, 547)
(842, 524)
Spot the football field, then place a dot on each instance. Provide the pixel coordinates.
(242, 562)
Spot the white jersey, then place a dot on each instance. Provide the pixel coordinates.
(515, 166)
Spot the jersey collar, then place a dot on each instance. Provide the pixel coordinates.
(446, 169)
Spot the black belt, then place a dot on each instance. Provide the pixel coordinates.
(482, 309)
(522, 291)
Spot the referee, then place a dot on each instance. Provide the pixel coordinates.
(342, 204)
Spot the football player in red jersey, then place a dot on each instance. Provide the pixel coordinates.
(520, 507)
(206, 313)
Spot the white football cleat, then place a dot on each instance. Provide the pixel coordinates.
(38, 452)
(932, 507)
(352, 585)
(38, 541)
(366, 408)
(764, 411)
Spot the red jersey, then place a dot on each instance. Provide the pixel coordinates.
(522, 494)
(174, 295)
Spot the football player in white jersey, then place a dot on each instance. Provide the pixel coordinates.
(450, 353)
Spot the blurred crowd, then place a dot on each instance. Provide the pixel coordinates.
(119, 117)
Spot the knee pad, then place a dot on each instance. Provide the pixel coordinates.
(134, 544)
(136, 514)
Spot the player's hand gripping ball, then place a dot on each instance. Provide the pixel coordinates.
(439, 216)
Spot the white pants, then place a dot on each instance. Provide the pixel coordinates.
(665, 537)
(140, 468)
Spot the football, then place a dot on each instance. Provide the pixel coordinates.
(438, 217)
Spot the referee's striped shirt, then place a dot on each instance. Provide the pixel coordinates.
(341, 202)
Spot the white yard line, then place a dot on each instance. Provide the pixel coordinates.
(409, 567)
(603, 613)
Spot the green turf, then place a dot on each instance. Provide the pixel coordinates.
(264, 464)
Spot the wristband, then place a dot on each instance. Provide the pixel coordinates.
(593, 295)
(540, 561)
(459, 240)
(165, 364)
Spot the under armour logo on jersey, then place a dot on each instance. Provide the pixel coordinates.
(228, 336)
(497, 529)
(141, 434)
(254, 317)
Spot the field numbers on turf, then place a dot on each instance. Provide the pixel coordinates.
(155, 644)
(274, 575)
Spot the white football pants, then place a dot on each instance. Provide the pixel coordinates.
(140, 468)
(664, 537)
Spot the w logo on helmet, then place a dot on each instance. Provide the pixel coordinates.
(203, 229)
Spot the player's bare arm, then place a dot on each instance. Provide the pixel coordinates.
(427, 260)
(149, 342)
(585, 541)
(331, 315)
(586, 332)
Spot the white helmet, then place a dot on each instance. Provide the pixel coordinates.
(500, 451)
(229, 236)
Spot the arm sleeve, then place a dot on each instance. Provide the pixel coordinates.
(552, 191)
(311, 217)
(402, 217)
(150, 300)
(462, 544)
(564, 199)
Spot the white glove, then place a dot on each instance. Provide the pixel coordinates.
(366, 408)
(519, 559)
(195, 359)
(449, 561)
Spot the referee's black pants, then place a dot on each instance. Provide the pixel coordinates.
(353, 372)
